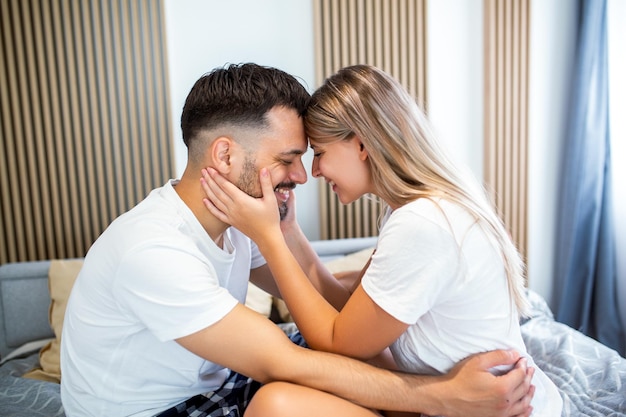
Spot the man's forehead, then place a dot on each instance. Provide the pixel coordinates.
(285, 134)
(285, 145)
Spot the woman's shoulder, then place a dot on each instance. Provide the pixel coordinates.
(439, 212)
(418, 216)
(431, 208)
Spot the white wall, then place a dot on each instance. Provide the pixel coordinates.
(205, 34)
(552, 56)
(455, 78)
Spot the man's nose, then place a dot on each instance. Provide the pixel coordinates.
(298, 173)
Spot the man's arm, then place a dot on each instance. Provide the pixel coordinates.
(252, 345)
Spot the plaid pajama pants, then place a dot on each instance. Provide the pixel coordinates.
(230, 400)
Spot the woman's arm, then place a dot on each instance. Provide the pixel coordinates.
(362, 329)
(335, 288)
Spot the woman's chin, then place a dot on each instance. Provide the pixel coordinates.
(345, 200)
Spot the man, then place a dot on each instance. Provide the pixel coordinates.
(156, 325)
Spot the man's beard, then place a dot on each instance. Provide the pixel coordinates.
(248, 182)
(283, 210)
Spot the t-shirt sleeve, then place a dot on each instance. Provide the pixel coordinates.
(257, 260)
(415, 261)
(173, 293)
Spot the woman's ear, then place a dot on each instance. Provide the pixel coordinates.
(362, 151)
(220, 154)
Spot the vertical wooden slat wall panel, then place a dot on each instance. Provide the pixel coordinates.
(31, 148)
(21, 127)
(52, 208)
(42, 125)
(84, 120)
(388, 34)
(6, 228)
(83, 166)
(506, 92)
(93, 127)
(61, 101)
(99, 104)
(70, 104)
(524, 25)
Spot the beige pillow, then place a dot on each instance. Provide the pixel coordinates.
(259, 300)
(61, 277)
(353, 262)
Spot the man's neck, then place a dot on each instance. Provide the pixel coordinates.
(192, 194)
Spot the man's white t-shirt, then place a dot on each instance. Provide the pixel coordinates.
(153, 276)
(438, 271)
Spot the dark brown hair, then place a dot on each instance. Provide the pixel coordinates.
(240, 95)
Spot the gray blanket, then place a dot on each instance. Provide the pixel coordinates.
(590, 376)
(21, 397)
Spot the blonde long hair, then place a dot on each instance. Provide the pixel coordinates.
(405, 158)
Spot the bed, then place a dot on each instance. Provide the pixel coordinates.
(590, 376)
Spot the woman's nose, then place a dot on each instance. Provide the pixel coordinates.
(315, 170)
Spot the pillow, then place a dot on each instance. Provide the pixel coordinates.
(352, 262)
(61, 277)
(259, 300)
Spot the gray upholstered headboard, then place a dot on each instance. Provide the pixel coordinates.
(328, 250)
(24, 304)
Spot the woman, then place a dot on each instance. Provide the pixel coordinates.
(445, 281)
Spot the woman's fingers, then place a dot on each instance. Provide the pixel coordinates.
(266, 182)
(235, 207)
(216, 187)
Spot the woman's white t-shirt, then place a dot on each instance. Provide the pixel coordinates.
(437, 270)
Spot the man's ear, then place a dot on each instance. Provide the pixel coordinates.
(220, 154)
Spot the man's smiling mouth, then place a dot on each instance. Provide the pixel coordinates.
(282, 191)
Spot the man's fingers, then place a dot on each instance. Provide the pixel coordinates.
(494, 358)
(524, 372)
(523, 408)
(523, 394)
(519, 378)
